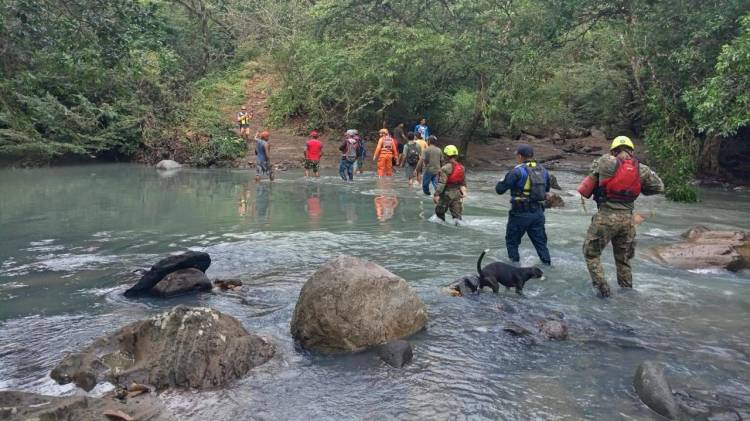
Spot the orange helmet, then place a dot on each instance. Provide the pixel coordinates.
(383, 131)
(264, 135)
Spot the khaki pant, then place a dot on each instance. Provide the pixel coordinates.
(617, 227)
(450, 200)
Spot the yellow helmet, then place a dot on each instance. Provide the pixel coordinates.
(621, 141)
(450, 150)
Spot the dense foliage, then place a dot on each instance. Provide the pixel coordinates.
(115, 79)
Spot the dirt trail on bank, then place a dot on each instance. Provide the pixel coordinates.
(287, 145)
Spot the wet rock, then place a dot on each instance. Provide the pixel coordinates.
(351, 304)
(30, 406)
(466, 285)
(516, 330)
(182, 348)
(228, 284)
(654, 390)
(168, 164)
(555, 330)
(598, 134)
(181, 282)
(553, 200)
(397, 353)
(704, 248)
(191, 259)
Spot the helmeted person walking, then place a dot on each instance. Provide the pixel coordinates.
(616, 180)
(313, 153)
(528, 183)
(451, 187)
(262, 159)
(349, 151)
(385, 154)
(243, 119)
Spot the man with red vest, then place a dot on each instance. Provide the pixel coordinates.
(451, 187)
(313, 153)
(616, 180)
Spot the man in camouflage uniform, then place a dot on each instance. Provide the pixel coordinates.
(451, 187)
(614, 220)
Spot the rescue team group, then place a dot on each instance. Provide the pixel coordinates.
(615, 181)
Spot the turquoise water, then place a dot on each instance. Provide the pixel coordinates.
(72, 237)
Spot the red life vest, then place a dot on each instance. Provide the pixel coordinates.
(625, 184)
(457, 175)
(387, 144)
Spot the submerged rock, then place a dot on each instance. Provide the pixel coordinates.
(553, 200)
(185, 348)
(397, 353)
(190, 259)
(168, 164)
(180, 282)
(704, 248)
(555, 330)
(351, 304)
(516, 330)
(654, 390)
(31, 406)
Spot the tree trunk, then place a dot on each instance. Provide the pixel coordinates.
(479, 105)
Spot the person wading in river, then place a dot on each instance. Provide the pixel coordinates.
(410, 159)
(262, 151)
(431, 161)
(528, 183)
(616, 180)
(313, 153)
(451, 188)
(385, 154)
(349, 152)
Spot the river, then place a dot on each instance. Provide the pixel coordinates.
(71, 238)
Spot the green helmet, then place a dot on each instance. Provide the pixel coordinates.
(450, 150)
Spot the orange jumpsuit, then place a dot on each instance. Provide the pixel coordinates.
(386, 152)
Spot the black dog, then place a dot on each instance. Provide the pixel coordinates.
(501, 273)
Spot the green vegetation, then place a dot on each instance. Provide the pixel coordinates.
(161, 78)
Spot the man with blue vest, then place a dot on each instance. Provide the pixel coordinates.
(528, 183)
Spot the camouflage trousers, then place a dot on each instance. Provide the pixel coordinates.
(450, 200)
(618, 228)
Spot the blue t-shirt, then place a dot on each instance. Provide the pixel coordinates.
(421, 128)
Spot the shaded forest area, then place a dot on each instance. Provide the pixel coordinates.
(143, 79)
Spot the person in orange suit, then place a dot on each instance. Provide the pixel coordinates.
(385, 153)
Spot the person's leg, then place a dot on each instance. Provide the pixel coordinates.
(597, 238)
(538, 235)
(381, 165)
(426, 184)
(514, 230)
(350, 170)
(434, 180)
(342, 169)
(316, 168)
(623, 246)
(389, 166)
(442, 207)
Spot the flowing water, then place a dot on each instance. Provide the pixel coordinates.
(71, 237)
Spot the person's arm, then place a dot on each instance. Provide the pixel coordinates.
(445, 171)
(510, 180)
(377, 149)
(548, 181)
(650, 182)
(395, 149)
(267, 147)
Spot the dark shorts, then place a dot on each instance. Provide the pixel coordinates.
(262, 167)
(312, 165)
(244, 126)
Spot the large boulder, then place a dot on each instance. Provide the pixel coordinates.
(190, 259)
(351, 304)
(183, 348)
(168, 164)
(654, 390)
(704, 248)
(180, 282)
(30, 406)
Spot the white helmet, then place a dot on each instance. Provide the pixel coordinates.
(352, 132)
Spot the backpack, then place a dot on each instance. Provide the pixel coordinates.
(533, 183)
(625, 185)
(412, 153)
(350, 153)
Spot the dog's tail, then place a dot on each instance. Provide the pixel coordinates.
(479, 262)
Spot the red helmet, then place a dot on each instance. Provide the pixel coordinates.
(264, 135)
(314, 134)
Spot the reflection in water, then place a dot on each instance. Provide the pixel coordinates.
(348, 206)
(262, 204)
(385, 207)
(244, 199)
(312, 205)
